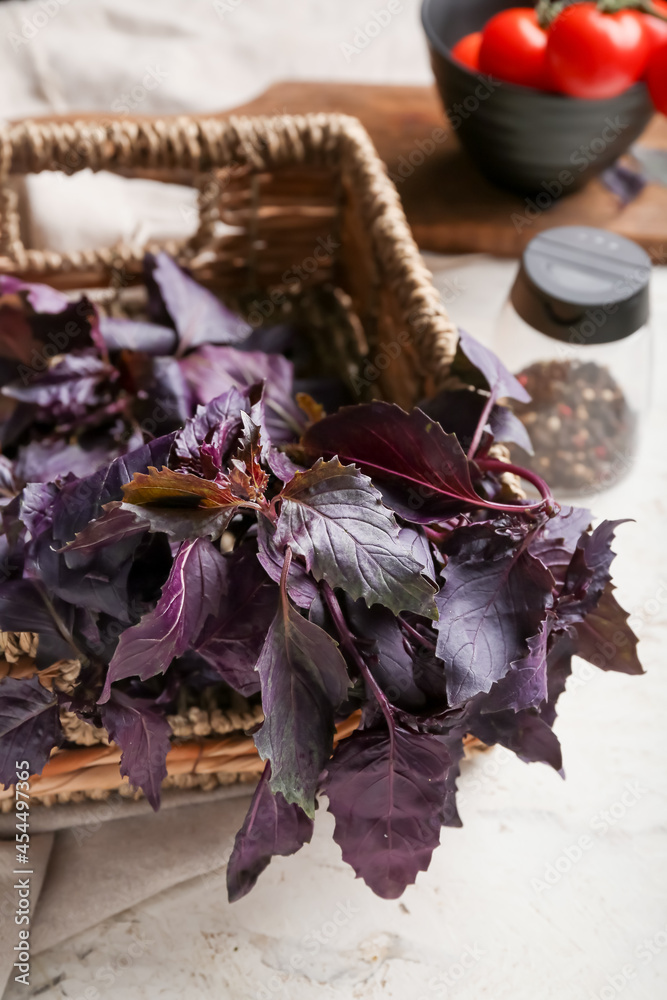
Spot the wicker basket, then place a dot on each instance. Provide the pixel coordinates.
(312, 209)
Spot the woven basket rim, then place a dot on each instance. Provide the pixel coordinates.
(200, 144)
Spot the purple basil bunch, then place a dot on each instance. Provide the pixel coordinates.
(368, 565)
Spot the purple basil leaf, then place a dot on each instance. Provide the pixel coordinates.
(333, 517)
(422, 472)
(133, 335)
(82, 500)
(13, 528)
(152, 565)
(605, 639)
(212, 370)
(494, 600)
(115, 525)
(525, 684)
(198, 316)
(303, 679)
(282, 466)
(38, 323)
(23, 609)
(300, 585)
(29, 726)
(449, 816)
(555, 544)
(388, 794)
(280, 339)
(273, 827)
(218, 423)
(162, 401)
(55, 458)
(506, 426)
(75, 328)
(42, 298)
(588, 573)
(498, 379)
(182, 524)
(189, 596)
(182, 504)
(144, 736)
(524, 733)
(20, 349)
(559, 669)
(414, 539)
(430, 676)
(387, 654)
(190, 670)
(68, 389)
(460, 411)
(36, 506)
(12, 561)
(8, 482)
(232, 639)
(17, 422)
(97, 582)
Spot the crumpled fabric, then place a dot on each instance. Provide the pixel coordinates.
(93, 860)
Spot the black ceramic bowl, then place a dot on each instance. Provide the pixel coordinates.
(526, 140)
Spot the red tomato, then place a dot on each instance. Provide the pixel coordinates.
(656, 78)
(655, 27)
(514, 48)
(594, 55)
(467, 50)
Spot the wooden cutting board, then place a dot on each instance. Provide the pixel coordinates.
(450, 206)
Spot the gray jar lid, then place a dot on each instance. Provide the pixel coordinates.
(583, 285)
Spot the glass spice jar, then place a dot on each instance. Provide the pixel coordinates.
(576, 333)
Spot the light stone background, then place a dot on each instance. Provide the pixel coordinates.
(493, 918)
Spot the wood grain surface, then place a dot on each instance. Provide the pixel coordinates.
(450, 206)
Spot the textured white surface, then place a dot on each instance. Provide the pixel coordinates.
(493, 918)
